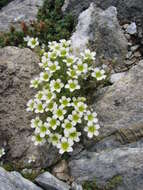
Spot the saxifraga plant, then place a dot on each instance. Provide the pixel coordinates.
(62, 114)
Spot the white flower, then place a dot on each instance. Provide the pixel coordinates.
(59, 113)
(33, 42)
(30, 105)
(91, 117)
(39, 95)
(48, 96)
(38, 140)
(55, 138)
(65, 43)
(70, 60)
(35, 122)
(73, 73)
(51, 106)
(81, 67)
(35, 83)
(73, 135)
(92, 130)
(75, 117)
(88, 55)
(44, 76)
(65, 145)
(65, 102)
(68, 126)
(72, 85)
(53, 55)
(2, 152)
(52, 67)
(81, 107)
(64, 52)
(42, 130)
(53, 122)
(52, 45)
(98, 74)
(39, 107)
(56, 85)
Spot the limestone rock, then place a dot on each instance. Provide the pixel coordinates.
(127, 9)
(101, 31)
(18, 11)
(126, 163)
(121, 106)
(17, 68)
(48, 181)
(14, 181)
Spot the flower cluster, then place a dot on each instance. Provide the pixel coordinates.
(2, 152)
(61, 111)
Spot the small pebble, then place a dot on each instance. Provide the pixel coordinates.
(132, 28)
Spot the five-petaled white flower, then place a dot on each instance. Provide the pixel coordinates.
(72, 85)
(39, 107)
(68, 126)
(65, 102)
(55, 138)
(53, 67)
(34, 83)
(56, 85)
(48, 96)
(36, 122)
(75, 117)
(81, 67)
(53, 122)
(44, 76)
(88, 55)
(65, 145)
(81, 107)
(60, 112)
(73, 135)
(91, 117)
(92, 130)
(38, 140)
(98, 74)
(70, 60)
(42, 130)
(33, 42)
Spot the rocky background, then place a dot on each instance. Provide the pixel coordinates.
(114, 160)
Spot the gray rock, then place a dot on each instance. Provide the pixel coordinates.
(17, 68)
(127, 9)
(14, 181)
(49, 182)
(126, 163)
(132, 28)
(121, 106)
(116, 77)
(101, 30)
(17, 11)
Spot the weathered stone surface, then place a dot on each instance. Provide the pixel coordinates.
(126, 163)
(101, 30)
(127, 9)
(49, 182)
(121, 106)
(17, 67)
(14, 181)
(17, 11)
